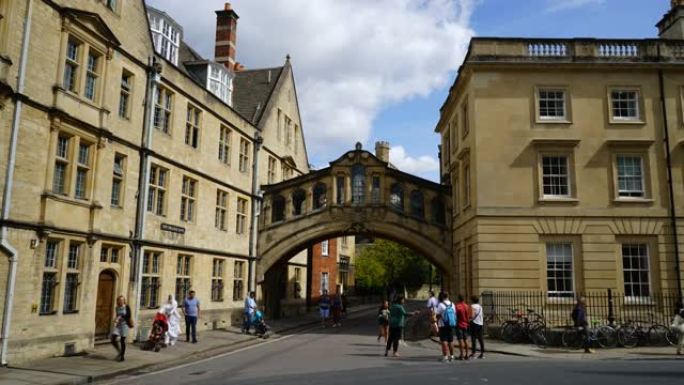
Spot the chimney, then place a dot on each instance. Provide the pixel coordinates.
(226, 36)
(671, 26)
(382, 151)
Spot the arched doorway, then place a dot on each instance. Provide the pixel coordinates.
(106, 285)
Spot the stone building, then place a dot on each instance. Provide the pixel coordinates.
(559, 153)
(131, 166)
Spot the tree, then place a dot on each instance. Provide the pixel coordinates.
(386, 263)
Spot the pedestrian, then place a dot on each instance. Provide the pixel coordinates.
(678, 324)
(345, 304)
(446, 321)
(191, 309)
(383, 321)
(462, 323)
(476, 326)
(397, 320)
(337, 310)
(432, 304)
(170, 309)
(249, 311)
(122, 323)
(579, 318)
(324, 307)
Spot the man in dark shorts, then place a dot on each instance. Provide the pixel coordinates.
(446, 321)
(463, 317)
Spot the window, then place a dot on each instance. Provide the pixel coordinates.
(149, 291)
(464, 117)
(298, 199)
(552, 104)
(325, 283)
(636, 270)
(244, 155)
(72, 277)
(72, 65)
(238, 280)
(272, 162)
(109, 254)
(62, 159)
(320, 195)
(183, 276)
(375, 189)
(192, 126)
(224, 145)
(324, 248)
(417, 204)
(297, 282)
(340, 189)
(559, 273)
(624, 104)
(82, 170)
(49, 281)
(162, 110)
(358, 184)
(630, 176)
(92, 75)
(466, 185)
(166, 37)
(217, 280)
(157, 190)
(125, 94)
(219, 83)
(555, 176)
(241, 216)
(188, 196)
(286, 171)
(221, 210)
(118, 180)
(288, 131)
(397, 197)
(51, 254)
(73, 259)
(278, 209)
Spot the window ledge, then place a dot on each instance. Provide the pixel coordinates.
(553, 121)
(627, 121)
(558, 200)
(638, 301)
(74, 201)
(54, 312)
(70, 312)
(561, 300)
(633, 200)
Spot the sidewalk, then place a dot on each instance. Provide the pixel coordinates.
(99, 364)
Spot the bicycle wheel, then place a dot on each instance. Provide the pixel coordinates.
(673, 336)
(572, 338)
(657, 335)
(628, 336)
(537, 334)
(512, 332)
(606, 337)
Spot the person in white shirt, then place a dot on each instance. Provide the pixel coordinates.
(250, 309)
(446, 320)
(432, 302)
(476, 326)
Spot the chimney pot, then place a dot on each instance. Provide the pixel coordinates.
(227, 7)
(382, 150)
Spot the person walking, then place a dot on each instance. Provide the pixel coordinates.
(383, 321)
(476, 326)
(579, 318)
(432, 304)
(122, 323)
(191, 309)
(446, 321)
(397, 321)
(170, 309)
(250, 309)
(678, 323)
(337, 310)
(324, 307)
(462, 323)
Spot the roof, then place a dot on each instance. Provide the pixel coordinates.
(252, 91)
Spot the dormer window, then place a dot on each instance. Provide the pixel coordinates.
(220, 82)
(166, 35)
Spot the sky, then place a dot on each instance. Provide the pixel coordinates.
(369, 70)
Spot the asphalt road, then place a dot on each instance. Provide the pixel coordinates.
(351, 355)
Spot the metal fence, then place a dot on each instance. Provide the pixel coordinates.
(603, 307)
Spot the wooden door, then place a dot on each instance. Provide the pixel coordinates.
(105, 302)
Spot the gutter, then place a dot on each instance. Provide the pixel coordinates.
(7, 193)
(255, 210)
(153, 77)
(673, 212)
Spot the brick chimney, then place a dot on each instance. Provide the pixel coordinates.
(382, 151)
(671, 26)
(226, 36)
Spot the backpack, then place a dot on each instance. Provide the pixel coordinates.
(449, 316)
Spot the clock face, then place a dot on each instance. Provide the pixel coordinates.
(395, 199)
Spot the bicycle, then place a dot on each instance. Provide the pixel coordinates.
(525, 327)
(604, 336)
(633, 333)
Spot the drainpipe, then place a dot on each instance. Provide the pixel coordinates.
(7, 194)
(673, 211)
(256, 206)
(153, 78)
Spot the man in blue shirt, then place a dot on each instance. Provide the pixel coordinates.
(191, 309)
(250, 308)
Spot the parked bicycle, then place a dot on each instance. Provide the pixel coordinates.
(634, 333)
(525, 327)
(602, 335)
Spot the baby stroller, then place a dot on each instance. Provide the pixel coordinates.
(260, 328)
(160, 326)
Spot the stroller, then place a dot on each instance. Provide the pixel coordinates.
(260, 328)
(160, 326)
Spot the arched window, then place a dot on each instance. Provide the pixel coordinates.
(278, 209)
(358, 184)
(298, 199)
(438, 211)
(396, 200)
(320, 196)
(417, 204)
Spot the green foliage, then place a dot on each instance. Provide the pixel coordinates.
(387, 263)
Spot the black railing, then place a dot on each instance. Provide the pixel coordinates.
(604, 307)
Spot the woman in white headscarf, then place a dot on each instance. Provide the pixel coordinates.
(170, 308)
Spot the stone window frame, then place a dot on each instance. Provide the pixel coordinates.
(243, 160)
(218, 270)
(107, 250)
(163, 106)
(119, 176)
(272, 173)
(72, 162)
(87, 43)
(73, 271)
(221, 214)
(225, 138)
(325, 248)
(153, 205)
(560, 147)
(577, 264)
(654, 260)
(184, 270)
(151, 273)
(126, 94)
(646, 174)
(570, 171)
(567, 100)
(193, 126)
(241, 213)
(465, 117)
(238, 280)
(466, 183)
(639, 119)
(52, 270)
(188, 201)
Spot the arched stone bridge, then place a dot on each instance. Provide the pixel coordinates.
(357, 194)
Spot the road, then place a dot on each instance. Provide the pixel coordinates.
(351, 355)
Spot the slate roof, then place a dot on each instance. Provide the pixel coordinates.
(252, 91)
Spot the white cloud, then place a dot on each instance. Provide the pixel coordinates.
(351, 57)
(563, 5)
(424, 165)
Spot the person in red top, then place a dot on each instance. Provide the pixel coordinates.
(463, 320)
